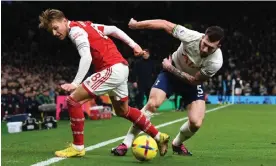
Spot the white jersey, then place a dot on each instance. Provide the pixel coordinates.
(187, 57)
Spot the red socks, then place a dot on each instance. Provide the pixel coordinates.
(77, 120)
(139, 119)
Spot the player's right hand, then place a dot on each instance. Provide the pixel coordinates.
(68, 87)
(132, 24)
(138, 51)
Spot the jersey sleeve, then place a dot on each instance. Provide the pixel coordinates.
(212, 64)
(185, 34)
(80, 38)
(115, 32)
(210, 69)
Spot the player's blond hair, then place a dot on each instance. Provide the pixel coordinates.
(47, 16)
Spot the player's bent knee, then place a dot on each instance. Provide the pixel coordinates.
(156, 98)
(195, 124)
(120, 112)
(152, 105)
(81, 94)
(120, 107)
(70, 100)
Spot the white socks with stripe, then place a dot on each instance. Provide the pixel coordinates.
(131, 134)
(184, 134)
(134, 130)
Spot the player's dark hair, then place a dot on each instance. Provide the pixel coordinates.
(215, 33)
(47, 16)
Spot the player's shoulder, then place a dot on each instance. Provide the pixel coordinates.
(79, 23)
(216, 57)
(76, 30)
(186, 34)
(218, 53)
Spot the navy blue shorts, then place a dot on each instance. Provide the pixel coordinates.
(170, 84)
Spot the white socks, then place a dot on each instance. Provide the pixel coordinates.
(157, 137)
(134, 131)
(183, 135)
(131, 134)
(78, 147)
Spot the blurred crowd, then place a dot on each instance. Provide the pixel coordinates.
(34, 64)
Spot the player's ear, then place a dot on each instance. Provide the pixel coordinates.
(65, 20)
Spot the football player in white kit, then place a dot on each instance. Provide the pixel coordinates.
(196, 60)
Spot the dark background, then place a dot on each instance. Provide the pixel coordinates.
(34, 63)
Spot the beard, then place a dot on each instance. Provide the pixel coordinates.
(203, 54)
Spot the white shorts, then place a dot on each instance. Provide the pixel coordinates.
(112, 80)
(238, 91)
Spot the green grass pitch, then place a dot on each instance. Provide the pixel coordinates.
(238, 135)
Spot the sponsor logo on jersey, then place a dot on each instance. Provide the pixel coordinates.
(78, 34)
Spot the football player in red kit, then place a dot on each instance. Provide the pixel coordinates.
(111, 75)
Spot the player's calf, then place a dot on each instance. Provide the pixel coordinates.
(134, 115)
(196, 112)
(77, 122)
(74, 103)
(77, 125)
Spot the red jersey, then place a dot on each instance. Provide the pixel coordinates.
(103, 50)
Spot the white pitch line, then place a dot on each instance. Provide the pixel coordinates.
(102, 144)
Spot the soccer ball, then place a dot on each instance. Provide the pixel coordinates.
(144, 148)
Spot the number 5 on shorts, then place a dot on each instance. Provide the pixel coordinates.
(199, 91)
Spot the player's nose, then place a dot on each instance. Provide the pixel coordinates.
(205, 49)
(54, 32)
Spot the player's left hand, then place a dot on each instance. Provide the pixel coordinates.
(138, 51)
(167, 63)
(132, 24)
(68, 87)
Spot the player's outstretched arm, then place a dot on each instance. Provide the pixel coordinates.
(178, 31)
(80, 39)
(113, 31)
(152, 24)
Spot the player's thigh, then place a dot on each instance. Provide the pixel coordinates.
(193, 97)
(119, 94)
(106, 80)
(161, 89)
(119, 99)
(80, 95)
(156, 98)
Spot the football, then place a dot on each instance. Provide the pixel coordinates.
(144, 148)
